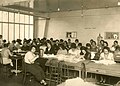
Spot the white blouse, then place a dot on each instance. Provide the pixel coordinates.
(108, 56)
(30, 57)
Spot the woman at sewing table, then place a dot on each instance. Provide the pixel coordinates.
(107, 57)
(106, 54)
(33, 68)
(75, 53)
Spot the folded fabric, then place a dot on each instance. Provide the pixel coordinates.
(78, 82)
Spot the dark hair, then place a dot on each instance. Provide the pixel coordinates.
(106, 43)
(80, 44)
(117, 48)
(51, 39)
(93, 42)
(62, 46)
(4, 40)
(13, 41)
(83, 48)
(101, 41)
(88, 45)
(5, 45)
(107, 48)
(76, 40)
(69, 39)
(116, 42)
(73, 45)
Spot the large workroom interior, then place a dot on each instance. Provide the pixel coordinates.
(59, 42)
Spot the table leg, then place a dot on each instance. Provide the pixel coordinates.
(16, 67)
(80, 73)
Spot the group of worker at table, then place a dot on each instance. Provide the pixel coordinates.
(88, 52)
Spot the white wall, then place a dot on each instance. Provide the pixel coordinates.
(98, 20)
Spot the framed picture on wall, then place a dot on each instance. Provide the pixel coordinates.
(112, 35)
(71, 34)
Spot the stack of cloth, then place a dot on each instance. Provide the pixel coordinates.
(77, 82)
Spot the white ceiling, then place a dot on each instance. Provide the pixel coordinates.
(65, 5)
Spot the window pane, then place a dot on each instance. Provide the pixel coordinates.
(26, 19)
(5, 31)
(21, 32)
(21, 18)
(31, 19)
(11, 17)
(27, 31)
(0, 15)
(16, 17)
(31, 32)
(5, 16)
(0, 29)
(17, 31)
(11, 32)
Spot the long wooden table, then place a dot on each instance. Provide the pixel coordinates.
(110, 70)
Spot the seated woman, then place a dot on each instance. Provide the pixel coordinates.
(117, 54)
(50, 49)
(62, 49)
(94, 47)
(33, 68)
(114, 46)
(25, 46)
(86, 55)
(5, 53)
(74, 50)
(108, 56)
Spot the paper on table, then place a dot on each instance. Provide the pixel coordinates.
(105, 62)
(49, 55)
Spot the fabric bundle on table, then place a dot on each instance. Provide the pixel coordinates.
(76, 82)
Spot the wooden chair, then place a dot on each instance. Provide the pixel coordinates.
(25, 73)
(5, 68)
(66, 71)
(52, 72)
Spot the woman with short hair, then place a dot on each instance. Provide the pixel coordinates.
(33, 68)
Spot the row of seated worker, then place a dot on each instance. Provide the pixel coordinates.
(51, 46)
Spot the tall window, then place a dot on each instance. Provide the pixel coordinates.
(15, 26)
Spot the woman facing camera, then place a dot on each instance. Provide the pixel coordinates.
(106, 54)
(33, 68)
(107, 57)
(74, 50)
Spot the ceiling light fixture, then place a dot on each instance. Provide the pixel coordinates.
(118, 2)
(58, 9)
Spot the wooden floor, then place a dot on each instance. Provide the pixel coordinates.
(16, 81)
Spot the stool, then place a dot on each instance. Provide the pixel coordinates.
(5, 68)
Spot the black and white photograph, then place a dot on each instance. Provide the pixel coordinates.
(59, 42)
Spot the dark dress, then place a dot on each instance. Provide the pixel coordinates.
(50, 51)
